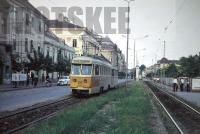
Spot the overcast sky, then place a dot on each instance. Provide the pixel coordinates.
(149, 17)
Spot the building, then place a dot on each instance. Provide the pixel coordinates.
(24, 30)
(5, 45)
(83, 40)
(110, 51)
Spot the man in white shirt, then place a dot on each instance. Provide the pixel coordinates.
(182, 84)
(175, 84)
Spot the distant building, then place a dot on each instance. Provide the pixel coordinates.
(164, 62)
(110, 51)
(83, 40)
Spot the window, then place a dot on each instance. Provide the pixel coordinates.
(32, 21)
(14, 44)
(40, 26)
(47, 51)
(53, 54)
(26, 45)
(74, 42)
(39, 48)
(31, 46)
(113, 72)
(27, 19)
(76, 69)
(96, 69)
(86, 69)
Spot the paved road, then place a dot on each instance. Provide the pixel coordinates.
(18, 99)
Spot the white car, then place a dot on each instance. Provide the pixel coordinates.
(64, 80)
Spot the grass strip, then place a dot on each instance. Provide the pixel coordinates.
(118, 111)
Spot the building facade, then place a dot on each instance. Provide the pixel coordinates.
(23, 30)
(5, 45)
(84, 41)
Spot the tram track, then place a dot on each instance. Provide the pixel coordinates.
(185, 118)
(14, 122)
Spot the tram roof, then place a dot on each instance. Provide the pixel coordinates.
(90, 60)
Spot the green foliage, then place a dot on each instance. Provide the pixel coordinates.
(16, 66)
(40, 62)
(64, 65)
(190, 66)
(171, 71)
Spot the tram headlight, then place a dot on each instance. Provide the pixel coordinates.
(85, 81)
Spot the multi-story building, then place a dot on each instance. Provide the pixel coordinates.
(83, 40)
(23, 30)
(110, 51)
(53, 46)
(5, 45)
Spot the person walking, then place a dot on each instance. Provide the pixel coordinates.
(175, 85)
(182, 81)
(32, 78)
(43, 78)
(188, 85)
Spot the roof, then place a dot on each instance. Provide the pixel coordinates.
(107, 44)
(61, 24)
(92, 59)
(163, 61)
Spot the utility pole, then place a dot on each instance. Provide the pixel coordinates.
(164, 49)
(128, 1)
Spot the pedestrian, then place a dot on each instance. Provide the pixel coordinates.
(188, 85)
(182, 81)
(35, 80)
(175, 85)
(43, 78)
(32, 78)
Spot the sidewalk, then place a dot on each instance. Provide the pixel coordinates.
(193, 97)
(10, 87)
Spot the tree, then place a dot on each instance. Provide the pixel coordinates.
(171, 71)
(142, 68)
(40, 62)
(16, 66)
(190, 66)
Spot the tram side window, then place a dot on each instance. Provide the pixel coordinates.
(96, 69)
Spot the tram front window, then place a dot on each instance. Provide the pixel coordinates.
(76, 69)
(86, 69)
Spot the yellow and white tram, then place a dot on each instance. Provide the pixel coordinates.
(90, 75)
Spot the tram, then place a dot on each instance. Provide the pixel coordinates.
(91, 75)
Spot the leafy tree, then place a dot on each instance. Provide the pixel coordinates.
(63, 65)
(40, 62)
(142, 68)
(16, 66)
(171, 71)
(190, 66)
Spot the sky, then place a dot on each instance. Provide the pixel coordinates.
(148, 17)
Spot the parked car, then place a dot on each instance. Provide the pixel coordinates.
(64, 80)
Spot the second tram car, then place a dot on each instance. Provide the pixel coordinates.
(91, 75)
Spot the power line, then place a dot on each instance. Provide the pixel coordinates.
(174, 17)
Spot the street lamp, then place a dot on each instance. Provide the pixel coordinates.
(128, 1)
